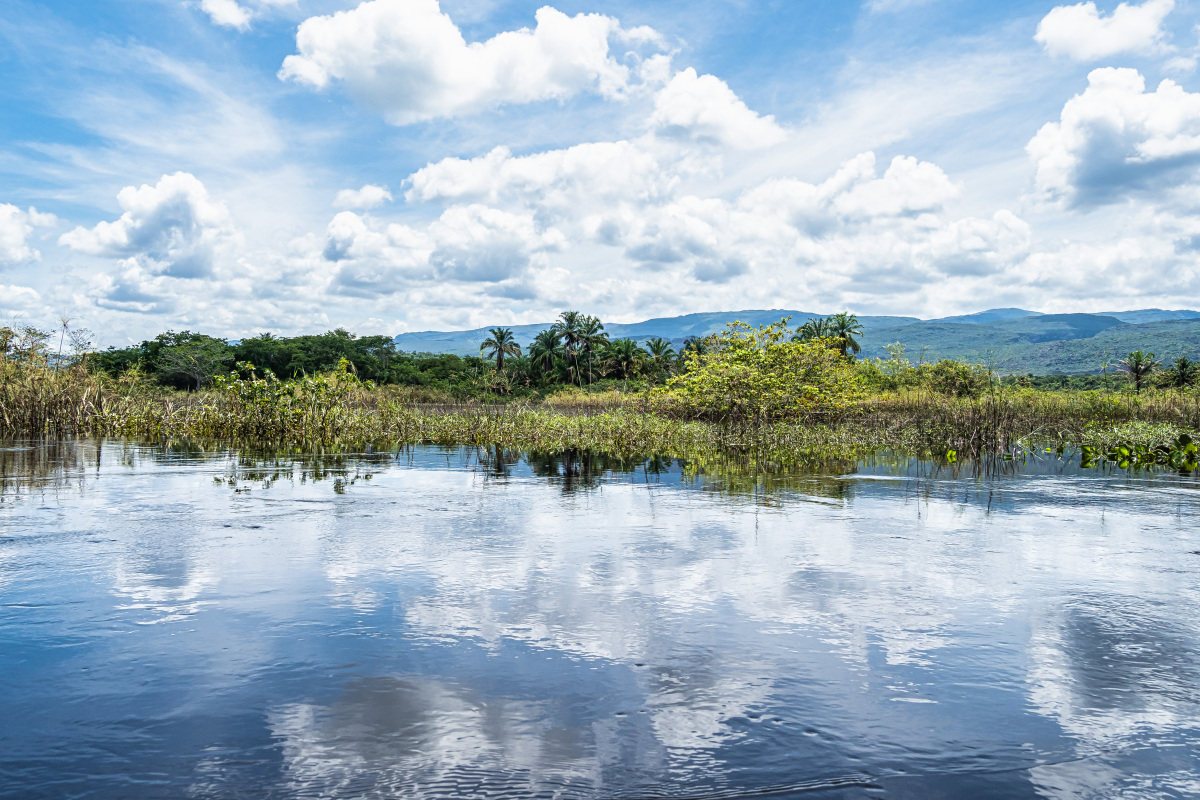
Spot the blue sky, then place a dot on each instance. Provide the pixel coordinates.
(238, 166)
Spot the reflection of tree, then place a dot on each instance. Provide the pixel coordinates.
(36, 466)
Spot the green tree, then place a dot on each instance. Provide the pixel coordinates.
(845, 329)
(812, 330)
(660, 354)
(501, 343)
(545, 350)
(570, 330)
(1183, 373)
(758, 375)
(592, 339)
(197, 361)
(954, 378)
(1138, 365)
(623, 358)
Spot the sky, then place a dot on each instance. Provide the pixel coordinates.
(243, 166)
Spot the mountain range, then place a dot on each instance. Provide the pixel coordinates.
(1010, 340)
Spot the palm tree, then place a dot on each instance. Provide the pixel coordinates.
(1138, 366)
(570, 330)
(592, 338)
(623, 357)
(501, 343)
(520, 369)
(545, 350)
(1183, 373)
(845, 329)
(662, 354)
(812, 330)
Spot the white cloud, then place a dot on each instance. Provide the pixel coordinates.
(227, 13)
(1115, 139)
(409, 60)
(16, 227)
(1081, 33)
(704, 108)
(19, 299)
(230, 14)
(171, 227)
(479, 243)
(583, 176)
(369, 196)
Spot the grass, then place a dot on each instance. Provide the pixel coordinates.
(336, 408)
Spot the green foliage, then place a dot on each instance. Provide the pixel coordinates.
(954, 378)
(842, 331)
(758, 375)
(500, 343)
(1180, 454)
(1138, 365)
(1182, 373)
(947, 377)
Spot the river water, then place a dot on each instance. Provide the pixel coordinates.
(453, 624)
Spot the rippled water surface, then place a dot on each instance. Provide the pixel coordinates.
(451, 624)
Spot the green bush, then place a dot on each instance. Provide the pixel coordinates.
(758, 375)
(954, 378)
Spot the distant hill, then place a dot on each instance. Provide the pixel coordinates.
(1150, 315)
(1048, 344)
(1011, 340)
(991, 315)
(676, 329)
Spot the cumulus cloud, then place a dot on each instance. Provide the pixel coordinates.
(409, 60)
(369, 196)
(467, 244)
(704, 108)
(172, 227)
(1115, 139)
(582, 176)
(227, 13)
(479, 243)
(16, 227)
(1082, 33)
(230, 14)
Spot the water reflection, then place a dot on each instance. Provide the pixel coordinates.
(467, 623)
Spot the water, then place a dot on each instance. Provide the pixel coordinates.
(181, 625)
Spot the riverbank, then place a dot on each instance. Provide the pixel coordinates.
(336, 408)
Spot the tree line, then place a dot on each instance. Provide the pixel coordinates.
(574, 351)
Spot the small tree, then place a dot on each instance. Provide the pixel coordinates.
(758, 375)
(623, 358)
(198, 361)
(501, 343)
(1183, 373)
(661, 354)
(954, 378)
(1138, 366)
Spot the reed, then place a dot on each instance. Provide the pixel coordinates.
(36, 400)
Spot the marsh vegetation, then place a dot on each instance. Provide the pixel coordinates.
(767, 394)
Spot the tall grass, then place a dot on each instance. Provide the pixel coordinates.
(40, 401)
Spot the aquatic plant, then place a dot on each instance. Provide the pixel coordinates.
(1179, 454)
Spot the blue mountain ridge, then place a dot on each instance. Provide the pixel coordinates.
(1008, 339)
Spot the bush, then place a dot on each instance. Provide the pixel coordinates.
(954, 378)
(758, 375)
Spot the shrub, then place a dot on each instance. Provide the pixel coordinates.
(954, 378)
(758, 375)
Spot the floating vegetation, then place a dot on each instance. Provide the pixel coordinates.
(1180, 454)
